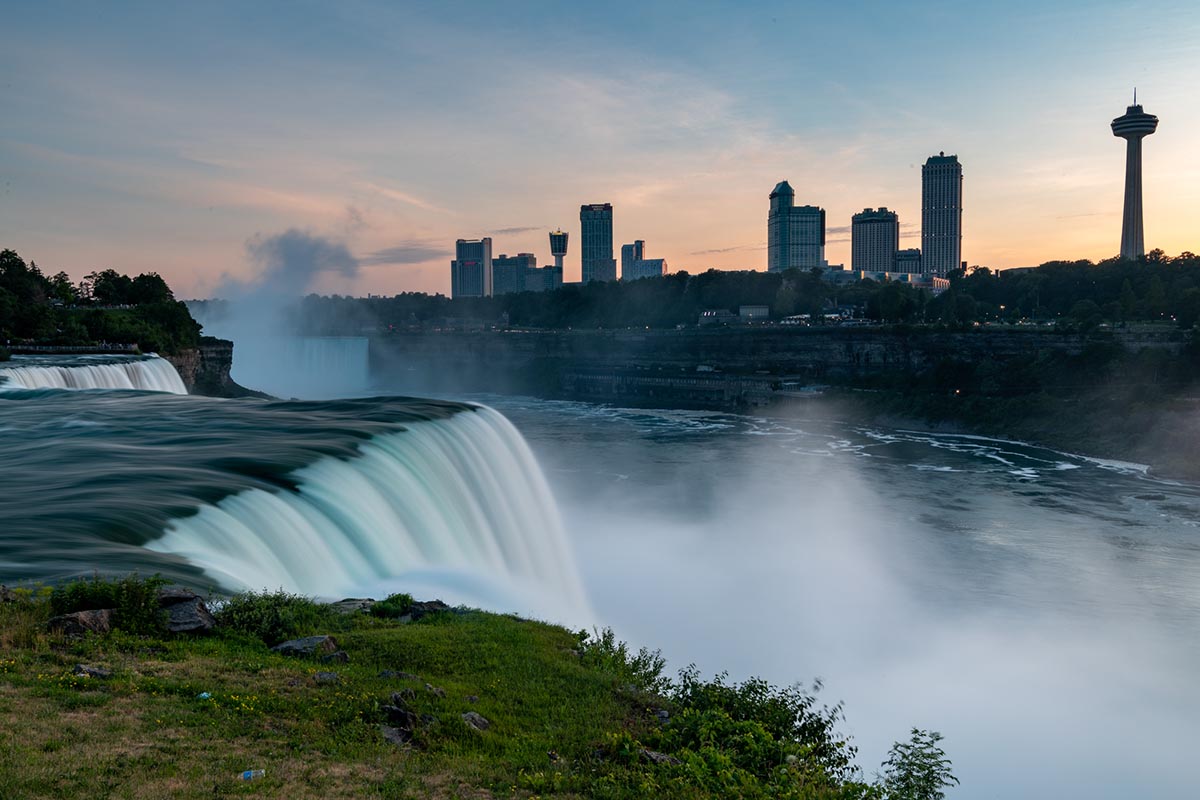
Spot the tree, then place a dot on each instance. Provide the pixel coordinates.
(917, 769)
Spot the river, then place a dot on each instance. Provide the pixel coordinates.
(1038, 608)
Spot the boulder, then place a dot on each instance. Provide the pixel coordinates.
(476, 720)
(7, 595)
(307, 647)
(435, 690)
(353, 605)
(397, 736)
(186, 611)
(655, 757)
(424, 608)
(336, 657)
(326, 678)
(80, 623)
(91, 672)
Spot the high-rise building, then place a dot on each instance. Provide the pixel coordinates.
(908, 260)
(543, 279)
(874, 240)
(1133, 126)
(471, 269)
(558, 249)
(597, 242)
(941, 214)
(645, 268)
(508, 272)
(629, 254)
(795, 234)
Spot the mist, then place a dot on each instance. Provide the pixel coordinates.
(1022, 631)
(262, 316)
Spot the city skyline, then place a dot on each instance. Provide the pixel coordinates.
(146, 140)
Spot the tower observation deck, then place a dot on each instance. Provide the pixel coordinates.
(1133, 126)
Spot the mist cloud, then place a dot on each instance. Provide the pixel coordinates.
(292, 261)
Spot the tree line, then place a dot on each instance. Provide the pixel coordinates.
(1079, 294)
(106, 306)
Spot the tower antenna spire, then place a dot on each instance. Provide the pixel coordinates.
(1135, 95)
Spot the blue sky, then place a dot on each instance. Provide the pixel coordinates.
(167, 137)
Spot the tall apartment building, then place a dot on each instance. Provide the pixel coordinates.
(795, 234)
(629, 254)
(471, 269)
(941, 214)
(874, 240)
(597, 242)
(908, 260)
(508, 272)
(543, 279)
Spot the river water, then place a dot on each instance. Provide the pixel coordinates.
(1040, 609)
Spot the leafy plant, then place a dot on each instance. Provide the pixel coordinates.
(643, 670)
(134, 600)
(273, 617)
(394, 606)
(917, 769)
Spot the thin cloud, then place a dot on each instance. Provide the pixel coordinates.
(405, 197)
(411, 251)
(515, 231)
(734, 249)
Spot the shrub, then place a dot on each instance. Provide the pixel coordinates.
(273, 617)
(134, 600)
(5, 355)
(644, 670)
(917, 769)
(395, 606)
(747, 719)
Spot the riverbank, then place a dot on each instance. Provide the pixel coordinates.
(397, 699)
(1129, 395)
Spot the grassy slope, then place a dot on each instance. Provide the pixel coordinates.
(144, 733)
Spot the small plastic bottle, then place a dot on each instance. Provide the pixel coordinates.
(251, 774)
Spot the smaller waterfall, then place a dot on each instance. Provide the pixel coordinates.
(147, 373)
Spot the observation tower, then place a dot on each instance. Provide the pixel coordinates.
(558, 247)
(1133, 126)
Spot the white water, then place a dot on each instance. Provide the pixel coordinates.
(456, 508)
(305, 367)
(151, 374)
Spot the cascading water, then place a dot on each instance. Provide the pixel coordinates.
(329, 498)
(147, 373)
(459, 504)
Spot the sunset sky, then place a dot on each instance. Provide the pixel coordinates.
(173, 137)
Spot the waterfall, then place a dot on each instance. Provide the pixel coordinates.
(457, 505)
(147, 373)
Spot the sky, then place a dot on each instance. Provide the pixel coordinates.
(184, 138)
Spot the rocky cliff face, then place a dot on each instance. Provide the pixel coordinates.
(569, 363)
(205, 370)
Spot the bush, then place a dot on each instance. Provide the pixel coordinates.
(394, 607)
(134, 600)
(5, 355)
(917, 769)
(273, 617)
(644, 670)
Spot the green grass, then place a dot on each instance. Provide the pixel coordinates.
(569, 714)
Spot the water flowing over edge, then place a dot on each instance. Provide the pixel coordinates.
(149, 373)
(458, 506)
